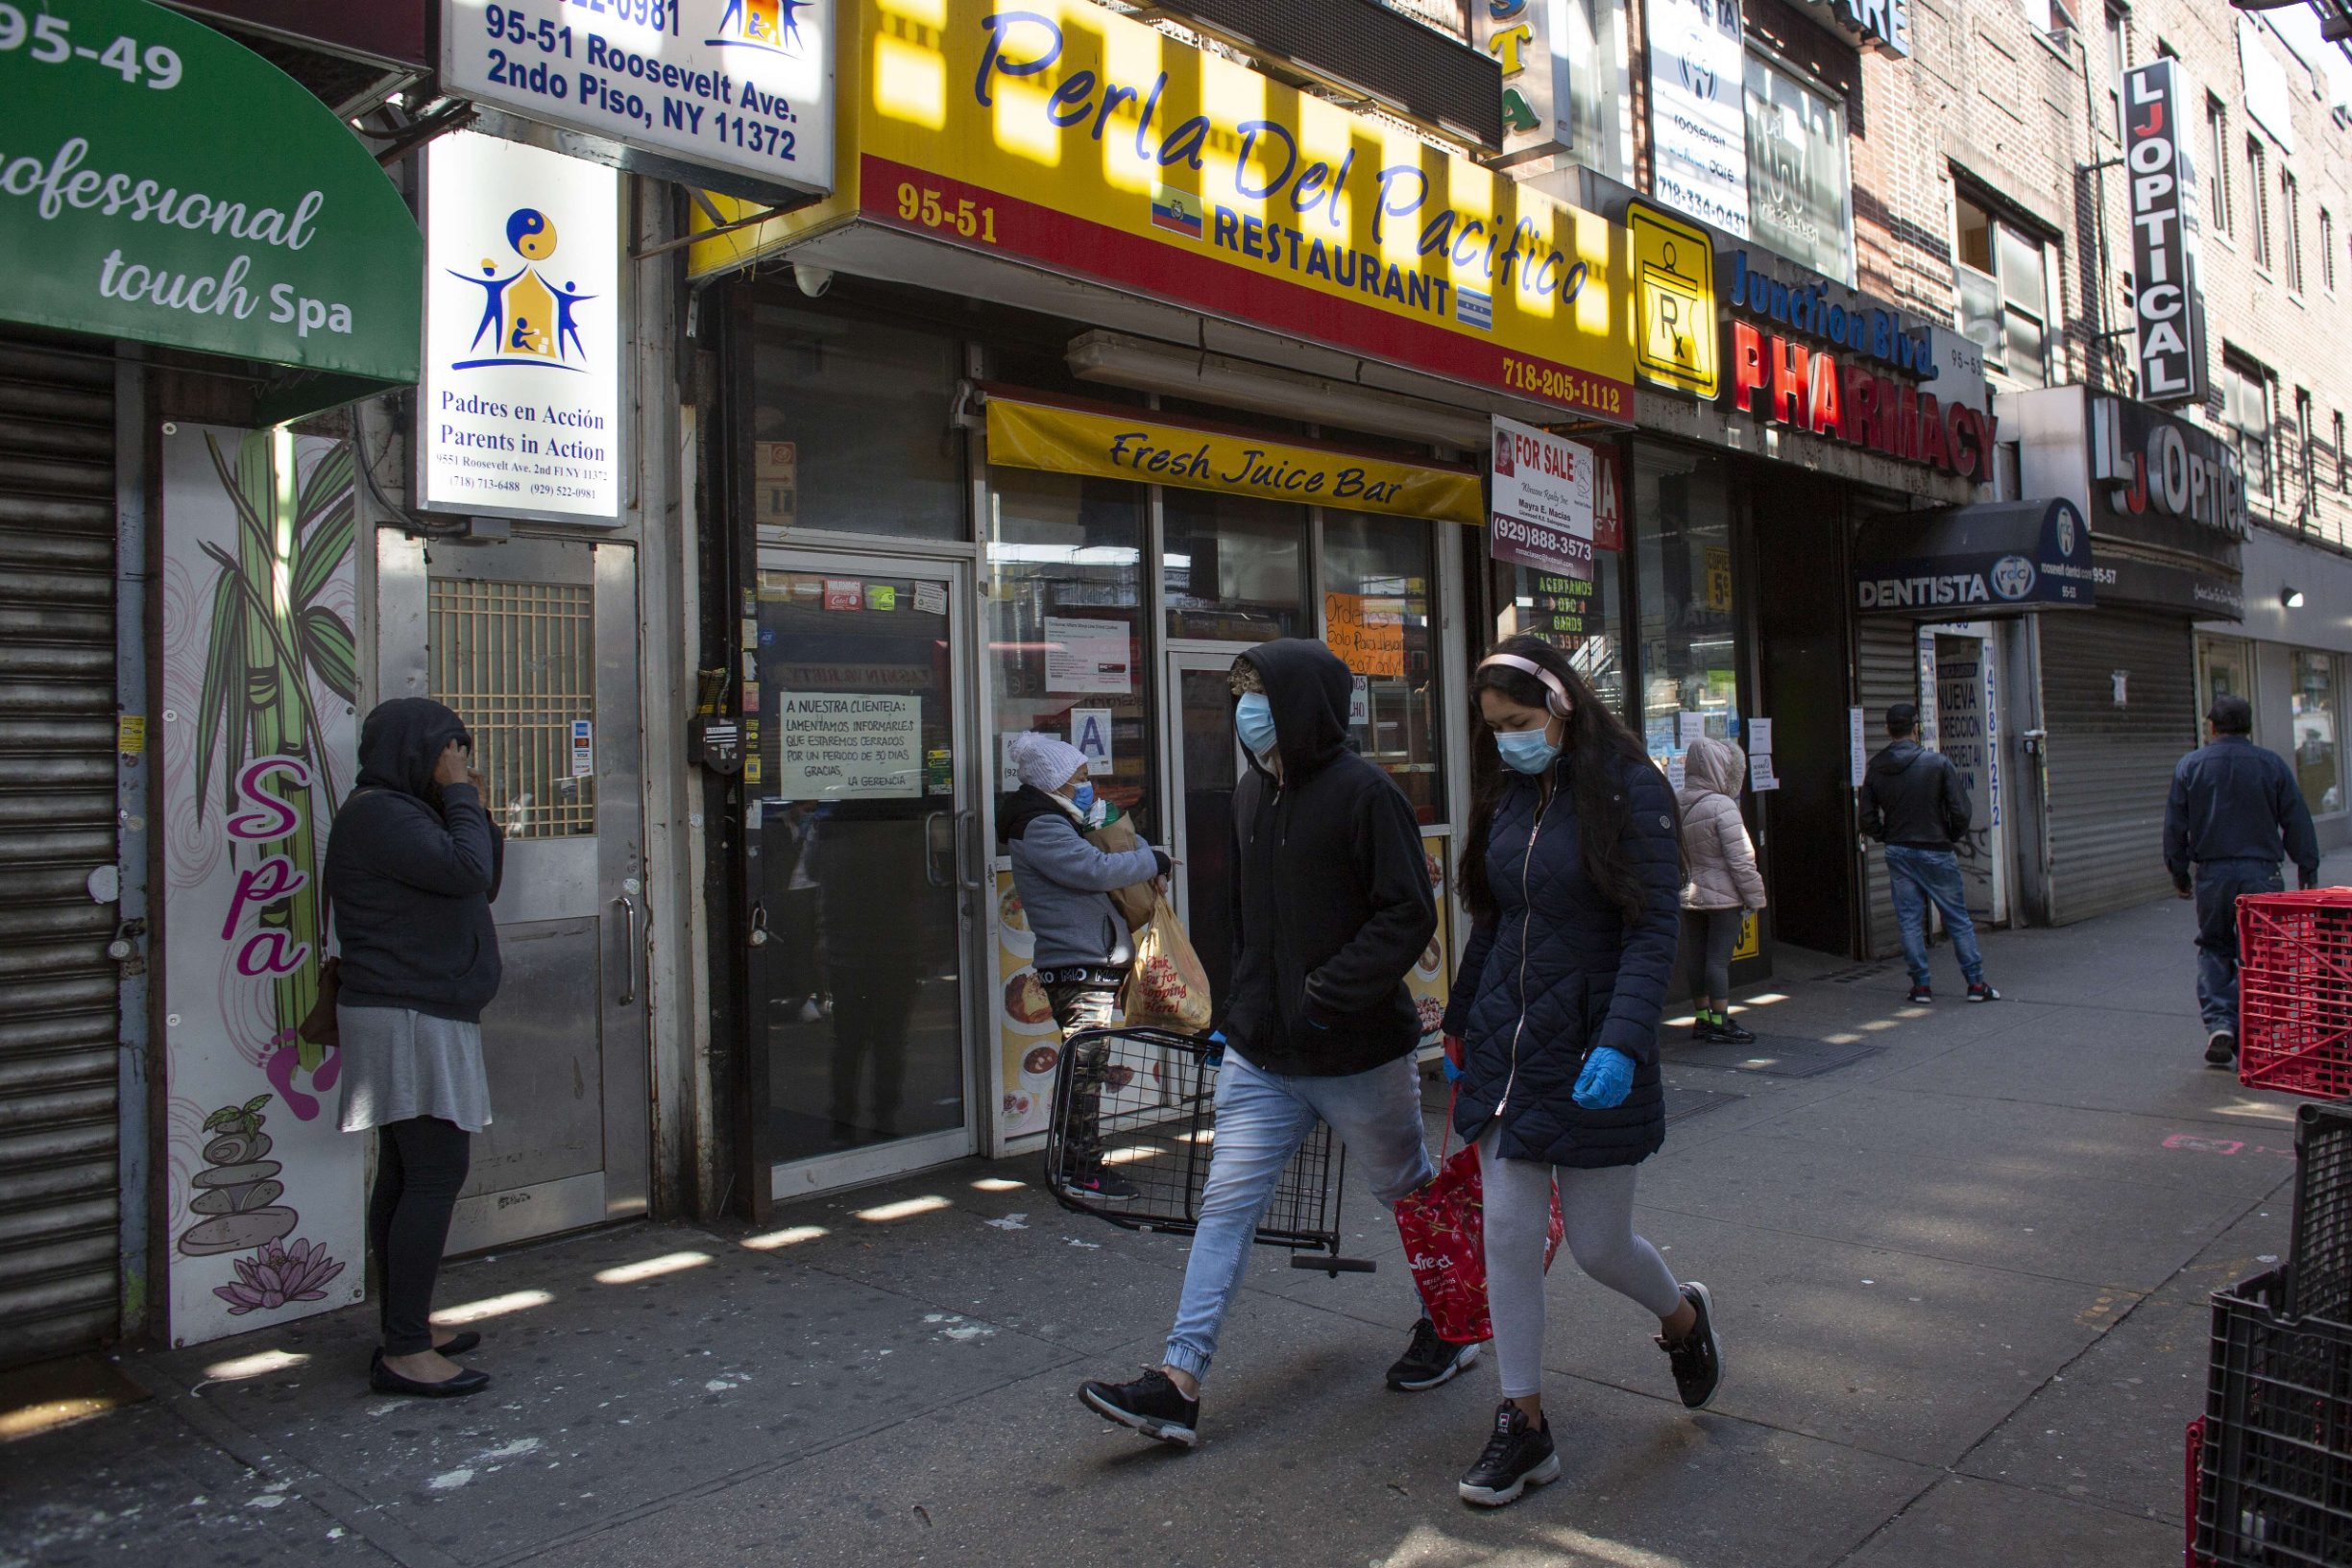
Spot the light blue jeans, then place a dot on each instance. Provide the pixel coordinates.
(1916, 875)
(1262, 1118)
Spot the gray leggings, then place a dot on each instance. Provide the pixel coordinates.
(1598, 1206)
(1709, 936)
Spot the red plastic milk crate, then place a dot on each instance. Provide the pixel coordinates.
(2294, 992)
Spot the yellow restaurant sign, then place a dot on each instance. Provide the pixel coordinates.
(1064, 137)
(1109, 444)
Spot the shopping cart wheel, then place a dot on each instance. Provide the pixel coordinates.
(1334, 1266)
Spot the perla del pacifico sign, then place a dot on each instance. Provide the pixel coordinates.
(161, 183)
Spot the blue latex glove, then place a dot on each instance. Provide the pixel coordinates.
(1607, 1079)
(1216, 1053)
(1452, 1061)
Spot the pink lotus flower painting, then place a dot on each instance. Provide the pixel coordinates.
(277, 1274)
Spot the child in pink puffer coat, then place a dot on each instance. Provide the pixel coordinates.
(1723, 882)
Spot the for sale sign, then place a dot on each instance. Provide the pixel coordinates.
(1541, 515)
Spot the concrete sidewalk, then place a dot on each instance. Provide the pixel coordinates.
(1959, 1256)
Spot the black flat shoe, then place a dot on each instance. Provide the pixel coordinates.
(461, 1343)
(385, 1381)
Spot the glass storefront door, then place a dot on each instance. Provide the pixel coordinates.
(863, 867)
(1206, 764)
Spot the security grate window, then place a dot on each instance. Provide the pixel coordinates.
(516, 661)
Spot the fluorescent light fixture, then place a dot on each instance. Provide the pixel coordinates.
(2291, 598)
(1119, 360)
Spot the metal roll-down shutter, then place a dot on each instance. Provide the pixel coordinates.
(2111, 764)
(57, 989)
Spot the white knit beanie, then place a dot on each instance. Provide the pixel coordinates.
(1043, 760)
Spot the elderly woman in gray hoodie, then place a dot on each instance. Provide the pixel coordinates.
(1082, 944)
(1722, 886)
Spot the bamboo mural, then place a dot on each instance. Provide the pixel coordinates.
(270, 637)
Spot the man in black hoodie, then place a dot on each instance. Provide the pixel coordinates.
(1331, 907)
(1914, 802)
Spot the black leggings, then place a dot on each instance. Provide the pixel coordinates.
(420, 1165)
(1709, 936)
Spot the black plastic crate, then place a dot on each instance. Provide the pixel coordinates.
(1139, 1105)
(2319, 1268)
(2276, 1488)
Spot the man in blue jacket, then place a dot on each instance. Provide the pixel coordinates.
(2234, 812)
(1332, 905)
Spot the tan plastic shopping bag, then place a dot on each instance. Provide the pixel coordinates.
(1167, 988)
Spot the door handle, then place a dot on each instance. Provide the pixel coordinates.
(931, 848)
(628, 955)
(971, 814)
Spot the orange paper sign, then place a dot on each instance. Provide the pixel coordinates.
(1367, 633)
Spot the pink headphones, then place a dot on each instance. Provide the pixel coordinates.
(1558, 702)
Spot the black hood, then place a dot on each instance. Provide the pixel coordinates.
(1308, 688)
(1899, 757)
(402, 740)
(1023, 807)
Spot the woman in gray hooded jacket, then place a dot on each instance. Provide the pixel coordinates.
(1082, 945)
(1722, 883)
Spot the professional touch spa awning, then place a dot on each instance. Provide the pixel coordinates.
(1105, 440)
(161, 183)
(1971, 561)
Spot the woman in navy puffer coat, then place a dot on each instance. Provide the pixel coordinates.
(1572, 873)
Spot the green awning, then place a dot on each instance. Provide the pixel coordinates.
(161, 183)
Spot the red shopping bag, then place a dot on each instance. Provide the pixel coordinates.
(1444, 1231)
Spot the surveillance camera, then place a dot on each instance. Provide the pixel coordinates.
(813, 281)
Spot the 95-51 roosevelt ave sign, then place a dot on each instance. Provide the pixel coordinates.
(161, 183)
(735, 95)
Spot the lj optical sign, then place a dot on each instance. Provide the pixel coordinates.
(2171, 312)
(160, 183)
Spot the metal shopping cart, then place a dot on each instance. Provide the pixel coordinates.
(1140, 1105)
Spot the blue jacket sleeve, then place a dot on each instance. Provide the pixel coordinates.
(2177, 823)
(1467, 976)
(1647, 967)
(457, 855)
(1065, 856)
(2301, 839)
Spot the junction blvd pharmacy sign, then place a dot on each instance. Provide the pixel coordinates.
(160, 183)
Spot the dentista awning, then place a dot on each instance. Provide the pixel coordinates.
(1970, 562)
(1106, 442)
(161, 183)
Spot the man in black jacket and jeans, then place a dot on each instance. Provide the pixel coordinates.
(2235, 810)
(1332, 905)
(1914, 802)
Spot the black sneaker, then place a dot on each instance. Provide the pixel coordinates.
(1151, 1404)
(2220, 1049)
(1920, 994)
(1103, 1184)
(1698, 1357)
(1704, 1032)
(1979, 991)
(1733, 1034)
(1429, 1361)
(1516, 1457)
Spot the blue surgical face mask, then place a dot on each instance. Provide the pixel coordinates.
(1526, 751)
(1253, 720)
(1083, 797)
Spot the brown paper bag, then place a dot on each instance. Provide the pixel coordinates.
(1117, 836)
(1167, 988)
